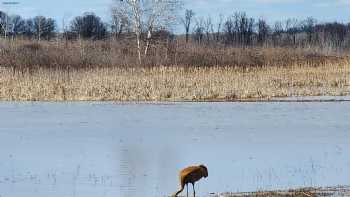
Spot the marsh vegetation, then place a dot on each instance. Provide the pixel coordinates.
(103, 70)
(136, 57)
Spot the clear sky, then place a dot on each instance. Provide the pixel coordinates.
(271, 10)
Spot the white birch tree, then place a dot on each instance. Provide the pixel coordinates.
(147, 16)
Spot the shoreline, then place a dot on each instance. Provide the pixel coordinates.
(341, 191)
(302, 99)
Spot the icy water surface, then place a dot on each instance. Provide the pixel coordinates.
(134, 150)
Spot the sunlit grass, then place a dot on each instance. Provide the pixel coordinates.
(175, 83)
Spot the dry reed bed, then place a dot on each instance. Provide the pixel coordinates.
(175, 83)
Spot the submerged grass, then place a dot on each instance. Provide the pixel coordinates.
(175, 83)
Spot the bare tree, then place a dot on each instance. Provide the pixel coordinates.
(219, 26)
(198, 30)
(17, 25)
(89, 26)
(292, 28)
(189, 14)
(333, 34)
(133, 11)
(208, 28)
(308, 26)
(277, 33)
(29, 30)
(245, 28)
(120, 22)
(238, 29)
(229, 30)
(3, 26)
(263, 31)
(43, 27)
(148, 15)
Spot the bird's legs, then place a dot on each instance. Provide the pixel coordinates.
(187, 189)
(194, 191)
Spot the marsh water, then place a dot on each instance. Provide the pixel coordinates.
(133, 150)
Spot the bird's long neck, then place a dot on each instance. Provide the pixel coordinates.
(182, 188)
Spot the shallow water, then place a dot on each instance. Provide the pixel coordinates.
(132, 150)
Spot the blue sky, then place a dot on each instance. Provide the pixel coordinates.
(323, 10)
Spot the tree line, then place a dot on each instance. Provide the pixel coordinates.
(241, 30)
(238, 29)
(87, 26)
(39, 27)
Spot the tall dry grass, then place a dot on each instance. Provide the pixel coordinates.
(174, 83)
(108, 70)
(27, 54)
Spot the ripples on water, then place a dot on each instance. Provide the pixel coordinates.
(82, 149)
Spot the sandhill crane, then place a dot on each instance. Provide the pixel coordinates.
(191, 175)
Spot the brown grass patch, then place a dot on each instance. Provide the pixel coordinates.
(27, 54)
(108, 71)
(174, 83)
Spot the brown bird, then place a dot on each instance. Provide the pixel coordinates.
(191, 175)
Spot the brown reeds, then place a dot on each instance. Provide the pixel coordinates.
(175, 83)
(28, 54)
(100, 71)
